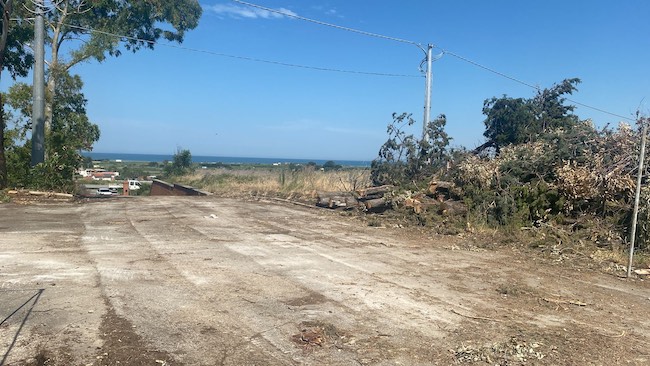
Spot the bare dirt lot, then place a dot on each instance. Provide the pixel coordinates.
(213, 281)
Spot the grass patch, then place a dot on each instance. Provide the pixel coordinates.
(298, 184)
(4, 196)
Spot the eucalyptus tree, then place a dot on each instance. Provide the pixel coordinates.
(82, 30)
(79, 31)
(15, 59)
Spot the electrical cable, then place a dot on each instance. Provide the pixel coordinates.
(87, 29)
(537, 88)
(290, 15)
(465, 59)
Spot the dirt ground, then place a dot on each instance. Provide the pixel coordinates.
(215, 281)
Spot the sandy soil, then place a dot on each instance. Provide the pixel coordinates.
(213, 281)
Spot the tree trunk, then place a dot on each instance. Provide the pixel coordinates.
(3, 158)
(336, 199)
(378, 203)
(7, 8)
(53, 67)
(374, 191)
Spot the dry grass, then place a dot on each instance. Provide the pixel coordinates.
(618, 258)
(297, 184)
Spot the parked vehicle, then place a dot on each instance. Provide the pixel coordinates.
(106, 192)
(134, 184)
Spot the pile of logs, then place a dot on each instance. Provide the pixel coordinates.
(336, 200)
(368, 198)
(437, 198)
(373, 198)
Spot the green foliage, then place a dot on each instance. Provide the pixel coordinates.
(403, 159)
(14, 56)
(532, 139)
(56, 173)
(511, 121)
(181, 163)
(70, 132)
(19, 165)
(132, 172)
(331, 165)
(145, 190)
(508, 121)
(15, 59)
(142, 22)
(568, 171)
(71, 129)
(67, 127)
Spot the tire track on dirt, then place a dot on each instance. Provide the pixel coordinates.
(168, 310)
(267, 243)
(304, 302)
(248, 292)
(51, 258)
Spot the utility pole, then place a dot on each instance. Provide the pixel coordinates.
(637, 195)
(38, 108)
(427, 93)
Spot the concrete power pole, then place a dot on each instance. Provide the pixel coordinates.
(427, 93)
(38, 108)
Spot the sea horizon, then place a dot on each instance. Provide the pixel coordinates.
(218, 159)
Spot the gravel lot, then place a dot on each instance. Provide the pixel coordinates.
(213, 281)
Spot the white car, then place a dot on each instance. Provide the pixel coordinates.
(106, 192)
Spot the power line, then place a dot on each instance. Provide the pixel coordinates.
(465, 59)
(295, 16)
(600, 110)
(537, 88)
(489, 69)
(243, 57)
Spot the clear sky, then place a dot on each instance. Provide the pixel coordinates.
(157, 101)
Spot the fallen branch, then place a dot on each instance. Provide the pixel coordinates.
(291, 202)
(569, 302)
(475, 317)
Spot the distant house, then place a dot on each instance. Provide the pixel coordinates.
(105, 176)
(98, 174)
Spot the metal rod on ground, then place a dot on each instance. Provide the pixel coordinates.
(38, 108)
(637, 195)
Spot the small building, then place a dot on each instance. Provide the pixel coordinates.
(109, 176)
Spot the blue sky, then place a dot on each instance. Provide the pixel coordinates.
(157, 101)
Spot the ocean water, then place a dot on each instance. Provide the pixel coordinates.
(218, 159)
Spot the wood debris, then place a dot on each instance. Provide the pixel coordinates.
(564, 302)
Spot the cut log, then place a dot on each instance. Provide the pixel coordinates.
(342, 202)
(413, 203)
(374, 190)
(371, 196)
(336, 200)
(323, 202)
(436, 187)
(451, 207)
(321, 195)
(375, 204)
(50, 194)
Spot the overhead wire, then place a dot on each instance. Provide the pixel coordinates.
(295, 16)
(370, 73)
(453, 54)
(537, 88)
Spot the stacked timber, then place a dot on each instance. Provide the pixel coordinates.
(374, 198)
(440, 188)
(443, 192)
(336, 200)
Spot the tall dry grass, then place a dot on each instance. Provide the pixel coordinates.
(296, 184)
